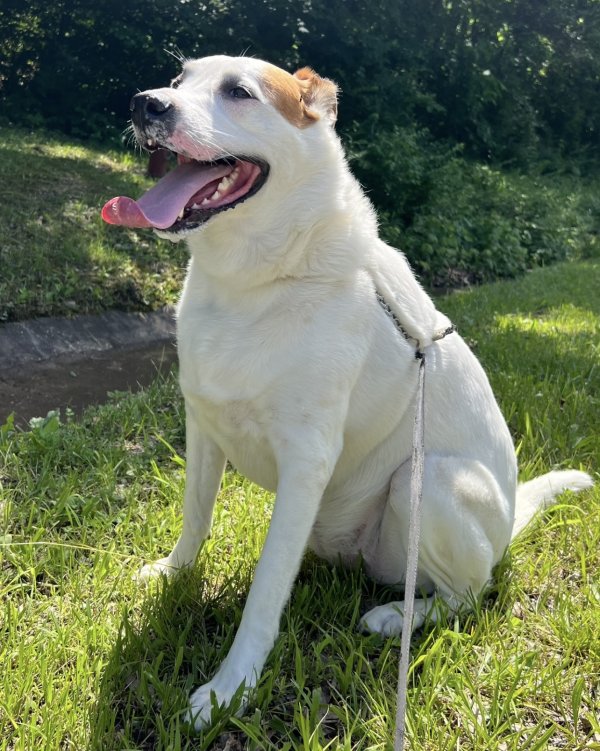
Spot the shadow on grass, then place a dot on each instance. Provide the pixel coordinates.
(59, 257)
(533, 294)
(171, 644)
(538, 340)
(182, 631)
(548, 388)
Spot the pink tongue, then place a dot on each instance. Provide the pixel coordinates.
(162, 204)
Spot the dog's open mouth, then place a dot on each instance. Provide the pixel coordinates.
(190, 194)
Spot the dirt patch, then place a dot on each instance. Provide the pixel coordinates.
(37, 388)
(56, 363)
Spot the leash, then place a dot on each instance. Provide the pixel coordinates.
(414, 526)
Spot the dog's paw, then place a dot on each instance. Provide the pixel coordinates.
(213, 696)
(385, 620)
(162, 567)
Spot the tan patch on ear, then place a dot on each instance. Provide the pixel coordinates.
(319, 92)
(296, 96)
(287, 95)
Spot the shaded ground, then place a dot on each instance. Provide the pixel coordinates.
(76, 383)
(57, 363)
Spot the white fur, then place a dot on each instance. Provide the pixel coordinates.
(292, 370)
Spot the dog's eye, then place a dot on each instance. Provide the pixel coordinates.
(239, 92)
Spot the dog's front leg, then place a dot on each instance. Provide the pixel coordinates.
(204, 470)
(303, 476)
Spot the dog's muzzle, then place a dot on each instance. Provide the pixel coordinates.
(150, 109)
(196, 189)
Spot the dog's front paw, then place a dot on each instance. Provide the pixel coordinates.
(216, 695)
(162, 567)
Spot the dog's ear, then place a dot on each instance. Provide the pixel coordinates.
(318, 94)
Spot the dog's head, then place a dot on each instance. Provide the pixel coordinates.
(234, 124)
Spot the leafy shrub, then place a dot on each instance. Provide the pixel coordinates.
(461, 222)
(503, 77)
(460, 235)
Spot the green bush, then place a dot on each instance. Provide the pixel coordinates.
(460, 235)
(461, 222)
(503, 77)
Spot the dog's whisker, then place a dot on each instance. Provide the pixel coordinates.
(178, 55)
(202, 141)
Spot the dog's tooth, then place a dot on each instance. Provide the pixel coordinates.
(215, 196)
(205, 202)
(229, 180)
(224, 184)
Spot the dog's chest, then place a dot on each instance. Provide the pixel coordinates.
(231, 353)
(231, 369)
(240, 426)
(225, 377)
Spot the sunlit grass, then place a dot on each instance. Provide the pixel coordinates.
(57, 255)
(90, 660)
(567, 320)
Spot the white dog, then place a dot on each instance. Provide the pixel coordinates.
(292, 368)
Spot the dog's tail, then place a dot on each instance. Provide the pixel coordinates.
(535, 495)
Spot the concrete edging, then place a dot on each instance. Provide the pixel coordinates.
(43, 339)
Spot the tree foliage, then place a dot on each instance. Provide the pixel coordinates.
(503, 77)
(437, 96)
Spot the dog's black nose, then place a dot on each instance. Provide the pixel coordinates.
(148, 108)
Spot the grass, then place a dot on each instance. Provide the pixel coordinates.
(57, 257)
(88, 659)
(457, 221)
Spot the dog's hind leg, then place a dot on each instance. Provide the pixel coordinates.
(465, 528)
(204, 469)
